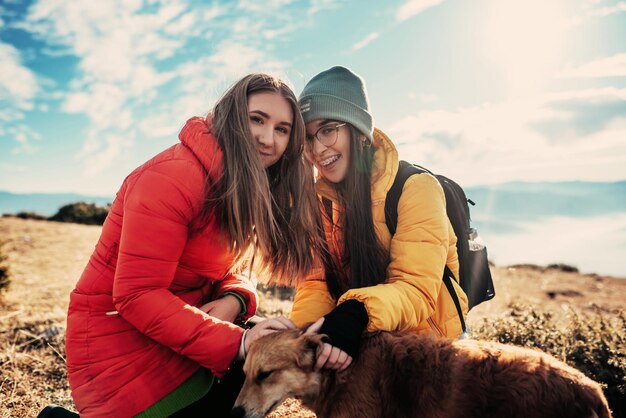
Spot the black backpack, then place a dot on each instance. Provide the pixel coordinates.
(475, 276)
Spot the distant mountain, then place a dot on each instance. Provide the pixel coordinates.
(44, 203)
(499, 204)
(532, 201)
(581, 224)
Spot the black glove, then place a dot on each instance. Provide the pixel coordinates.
(344, 326)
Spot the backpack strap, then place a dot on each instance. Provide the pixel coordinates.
(447, 273)
(406, 170)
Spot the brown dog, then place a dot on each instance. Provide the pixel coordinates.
(406, 375)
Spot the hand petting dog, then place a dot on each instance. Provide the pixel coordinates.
(329, 357)
(343, 327)
(262, 329)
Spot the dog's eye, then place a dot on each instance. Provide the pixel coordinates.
(263, 375)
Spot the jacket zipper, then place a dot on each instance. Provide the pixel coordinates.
(434, 327)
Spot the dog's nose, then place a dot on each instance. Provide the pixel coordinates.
(238, 412)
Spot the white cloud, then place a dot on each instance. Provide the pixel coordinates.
(591, 9)
(18, 83)
(18, 89)
(104, 103)
(365, 41)
(320, 5)
(413, 7)
(229, 62)
(284, 29)
(428, 98)
(13, 168)
(211, 13)
(183, 24)
(110, 38)
(24, 136)
(245, 25)
(495, 143)
(614, 66)
(143, 68)
(265, 6)
(119, 46)
(165, 124)
(167, 11)
(609, 10)
(108, 150)
(598, 95)
(232, 58)
(424, 98)
(23, 139)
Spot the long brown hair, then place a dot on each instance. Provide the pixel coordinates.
(270, 212)
(363, 256)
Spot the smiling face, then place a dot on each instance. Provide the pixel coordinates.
(331, 160)
(271, 118)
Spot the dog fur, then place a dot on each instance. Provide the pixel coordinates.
(407, 375)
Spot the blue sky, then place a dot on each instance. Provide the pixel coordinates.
(485, 91)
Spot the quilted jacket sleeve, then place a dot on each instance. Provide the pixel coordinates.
(417, 259)
(244, 286)
(157, 211)
(313, 300)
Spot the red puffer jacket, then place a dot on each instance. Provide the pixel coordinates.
(134, 332)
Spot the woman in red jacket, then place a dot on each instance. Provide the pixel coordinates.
(150, 328)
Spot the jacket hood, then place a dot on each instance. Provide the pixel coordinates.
(196, 135)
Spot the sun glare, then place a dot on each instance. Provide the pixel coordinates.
(525, 39)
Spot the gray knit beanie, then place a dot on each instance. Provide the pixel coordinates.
(337, 94)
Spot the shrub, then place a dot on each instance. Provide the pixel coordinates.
(591, 343)
(4, 277)
(279, 292)
(274, 300)
(30, 215)
(566, 268)
(82, 213)
(5, 280)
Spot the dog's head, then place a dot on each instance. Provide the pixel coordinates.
(278, 366)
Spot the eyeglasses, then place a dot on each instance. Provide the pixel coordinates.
(327, 135)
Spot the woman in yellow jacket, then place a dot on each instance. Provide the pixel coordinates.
(371, 280)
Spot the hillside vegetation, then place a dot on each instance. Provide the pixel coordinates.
(578, 318)
(78, 212)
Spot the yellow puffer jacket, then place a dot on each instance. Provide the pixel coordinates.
(414, 296)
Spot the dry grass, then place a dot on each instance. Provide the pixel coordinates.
(46, 259)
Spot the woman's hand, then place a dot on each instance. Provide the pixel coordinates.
(329, 357)
(227, 308)
(267, 327)
(261, 329)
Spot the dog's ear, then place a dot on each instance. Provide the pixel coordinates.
(307, 348)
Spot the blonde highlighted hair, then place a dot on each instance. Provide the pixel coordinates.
(271, 212)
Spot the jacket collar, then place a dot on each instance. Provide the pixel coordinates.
(196, 135)
(384, 170)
